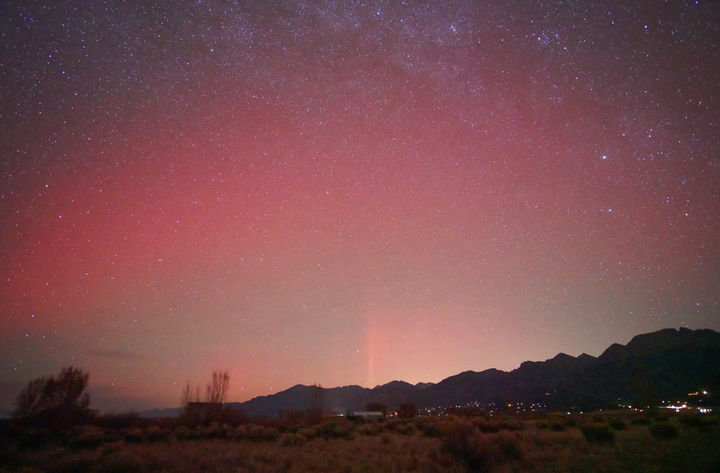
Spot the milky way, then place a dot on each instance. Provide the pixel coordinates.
(349, 192)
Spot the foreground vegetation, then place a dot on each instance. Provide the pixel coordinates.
(597, 442)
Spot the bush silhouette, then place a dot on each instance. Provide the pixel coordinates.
(598, 434)
(477, 451)
(58, 401)
(664, 430)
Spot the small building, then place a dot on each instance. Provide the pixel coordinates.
(366, 415)
(201, 412)
(202, 406)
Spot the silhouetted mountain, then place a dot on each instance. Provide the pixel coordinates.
(663, 365)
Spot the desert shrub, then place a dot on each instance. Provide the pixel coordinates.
(598, 433)
(89, 437)
(488, 427)
(270, 434)
(182, 432)
(134, 435)
(291, 440)
(514, 425)
(495, 426)
(367, 429)
(698, 421)
(509, 446)
(641, 421)
(255, 433)
(247, 432)
(308, 433)
(32, 437)
(477, 451)
(617, 424)
(121, 461)
(334, 429)
(405, 428)
(79, 462)
(213, 431)
(557, 426)
(430, 429)
(155, 433)
(570, 421)
(664, 430)
(108, 449)
(10, 455)
(239, 432)
(232, 417)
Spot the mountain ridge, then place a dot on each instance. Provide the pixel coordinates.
(651, 367)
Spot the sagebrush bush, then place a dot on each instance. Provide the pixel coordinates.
(431, 429)
(406, 428)
(291, 440)
(89, 437)
(335, 429)
(134, 435)
(570, 421)
(488, 427)
(182, 432)
(308, 433)
(698, 421)
(617, 424)
(641, 421)
(213, 431)
(595, 433)
(664, 430)
(478, 451)
(79, 462)
(255, 433)
(121, 461)
(155, 433)
(557, 426)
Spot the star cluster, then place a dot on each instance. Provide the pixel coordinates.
(347, 192)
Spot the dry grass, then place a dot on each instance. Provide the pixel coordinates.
(450, 444)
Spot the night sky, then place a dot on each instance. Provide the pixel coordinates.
(346, 192)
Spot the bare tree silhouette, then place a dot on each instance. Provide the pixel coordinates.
(217, 388)
(185, 396)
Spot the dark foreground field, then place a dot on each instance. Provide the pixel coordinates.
(600, 442)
